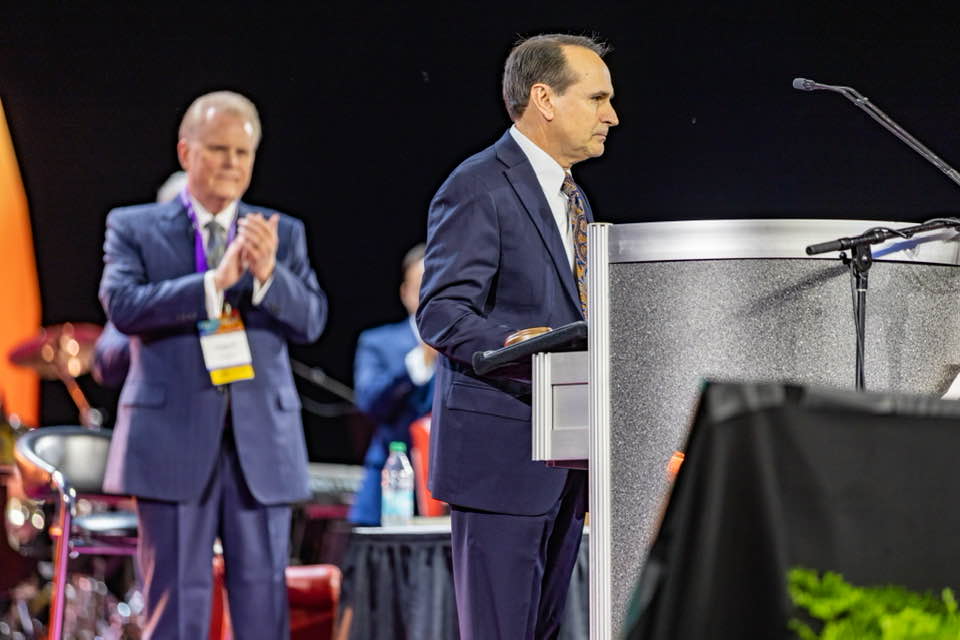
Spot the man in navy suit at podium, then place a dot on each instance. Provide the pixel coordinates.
(506, 251)
(393, 379)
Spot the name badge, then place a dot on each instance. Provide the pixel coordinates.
(226, 352)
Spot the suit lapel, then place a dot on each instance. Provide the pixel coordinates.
(521, 176)
(242, 209)
(178, 236)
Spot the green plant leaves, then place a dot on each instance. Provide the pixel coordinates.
(846, 612)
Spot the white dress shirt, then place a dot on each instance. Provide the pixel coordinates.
(417, 368)
(550, 175)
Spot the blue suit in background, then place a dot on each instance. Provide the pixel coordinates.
(177, 434)
(495, 263)
(386, 393)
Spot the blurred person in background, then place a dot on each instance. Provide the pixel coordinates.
(393, 380)
(208, 435)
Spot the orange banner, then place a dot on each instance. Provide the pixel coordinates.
(19, 288)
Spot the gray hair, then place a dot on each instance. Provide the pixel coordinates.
(541, 59)
(227, 101)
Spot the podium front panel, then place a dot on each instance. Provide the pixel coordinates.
(560, 406)
(673, 323)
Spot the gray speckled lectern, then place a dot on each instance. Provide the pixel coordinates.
(672, 303)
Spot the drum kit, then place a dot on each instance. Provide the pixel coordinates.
(62, 352)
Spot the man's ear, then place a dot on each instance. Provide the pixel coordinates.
(183, 153)
(541, 98)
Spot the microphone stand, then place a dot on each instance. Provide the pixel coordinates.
(860, 262)
(317, 376)
(861, 255)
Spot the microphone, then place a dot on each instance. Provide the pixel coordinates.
(854, 96)
(803, 84)
(870, 236)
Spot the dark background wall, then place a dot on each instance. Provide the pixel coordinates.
(367, 106)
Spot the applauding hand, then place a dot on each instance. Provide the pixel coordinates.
(259, 240)
(231, 266)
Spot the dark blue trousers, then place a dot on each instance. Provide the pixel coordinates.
(512, 573)
(175, 555)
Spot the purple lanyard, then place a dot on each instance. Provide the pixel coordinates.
(199, 255)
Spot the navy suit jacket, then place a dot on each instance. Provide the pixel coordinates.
(386, 393)
(170, 417)
(495, 263)
(384, 389)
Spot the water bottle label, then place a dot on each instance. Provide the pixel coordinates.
(397, 507)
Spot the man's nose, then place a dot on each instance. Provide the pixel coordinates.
(611, 116)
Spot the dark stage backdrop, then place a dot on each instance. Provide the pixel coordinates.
(366, 107)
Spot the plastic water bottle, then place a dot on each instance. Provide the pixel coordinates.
(397, 487)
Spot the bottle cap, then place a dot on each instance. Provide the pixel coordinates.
(398, 446)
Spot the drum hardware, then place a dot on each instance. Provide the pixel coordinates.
(24, 520)
(15, 567)
(63, 352)
(60, 352)
(92, 610)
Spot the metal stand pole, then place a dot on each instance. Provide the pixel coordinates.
(860, 265)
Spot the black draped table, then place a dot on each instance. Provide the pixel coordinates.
(778, 476)
(398, 582)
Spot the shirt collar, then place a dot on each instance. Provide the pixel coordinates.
(224, 218)
(548, 171)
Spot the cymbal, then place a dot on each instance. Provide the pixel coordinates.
(60, 350)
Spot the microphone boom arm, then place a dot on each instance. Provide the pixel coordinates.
(859, 246)
(886, 121)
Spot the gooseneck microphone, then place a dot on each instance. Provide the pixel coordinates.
(854, 96)
(804, 84)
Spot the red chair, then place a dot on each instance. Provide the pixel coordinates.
(220, 627)
(312, 590)
(427, 505)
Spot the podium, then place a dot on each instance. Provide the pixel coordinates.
(674, 303)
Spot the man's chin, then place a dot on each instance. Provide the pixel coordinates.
(592, 149)
(229, 194)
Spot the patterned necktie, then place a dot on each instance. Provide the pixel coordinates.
(577, 219)
(216, 243)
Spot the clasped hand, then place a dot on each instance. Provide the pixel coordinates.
(254, 250)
